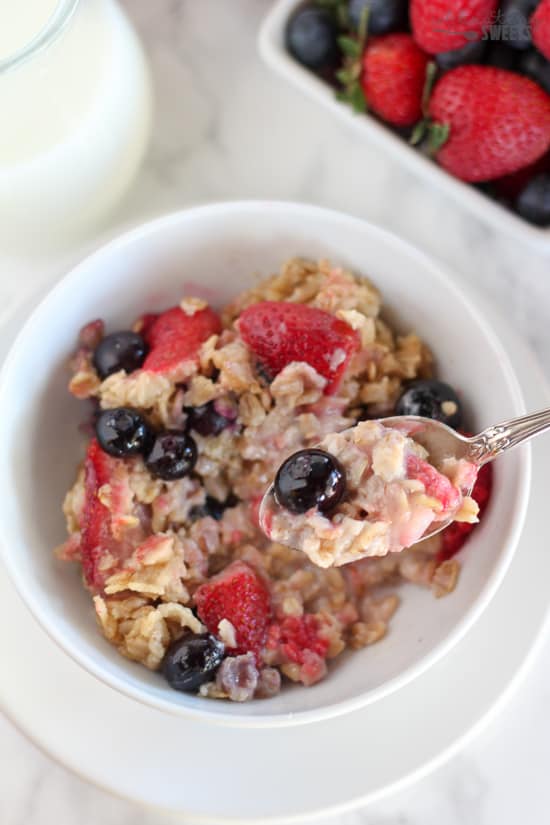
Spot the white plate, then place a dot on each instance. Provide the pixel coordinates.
(222, 774)
(271, 44)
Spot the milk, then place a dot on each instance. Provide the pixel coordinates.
(23, 22)
(75, 118)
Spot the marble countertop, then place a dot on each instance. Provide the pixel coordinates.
(225, 128)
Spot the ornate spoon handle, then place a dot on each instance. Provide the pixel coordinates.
(502, 437)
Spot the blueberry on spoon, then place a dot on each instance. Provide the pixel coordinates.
(310, 478)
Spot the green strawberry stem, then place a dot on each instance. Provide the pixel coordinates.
(349, 76)
(438, 134)
(435, 133)
(339, 9)
(431, 74)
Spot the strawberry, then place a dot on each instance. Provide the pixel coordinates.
(540, 27)
(497, 122)
(436, 485)
(279, 333)
(239, 595)
(174, 339)
(144, 323)
(446, 25)
(296, 636)
(455, 535)
(394, 74)
(96, 536)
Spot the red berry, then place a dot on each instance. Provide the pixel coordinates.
(144, 323)
(498, 122)
(96, 536)
(174, 339)
(239, 595)
(279, 333)
(455, 535)
(394, 74)
(296, 636)
(540, 27)
(436, 484)
(445, 25)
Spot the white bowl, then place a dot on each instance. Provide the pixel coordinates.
(273, 50)
(215, 250)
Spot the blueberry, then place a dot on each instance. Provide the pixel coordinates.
(119, 351)
(122, 432)
(501, 56)
(263, 374)
(212, 507)
(192, 660)
(384, 15)
(173, 455)
(470, 53)
(310, 478)
(312, 38)
(431, 399)
(537, 67)
(533, 203)
(514, 20)
(205, 419)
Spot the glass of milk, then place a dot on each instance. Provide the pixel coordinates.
(75, 106)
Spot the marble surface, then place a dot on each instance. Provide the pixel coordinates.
(225, 128)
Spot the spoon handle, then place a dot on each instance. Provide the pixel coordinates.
(496, 440)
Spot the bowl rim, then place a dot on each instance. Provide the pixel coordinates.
(270, 44)
(45, 615)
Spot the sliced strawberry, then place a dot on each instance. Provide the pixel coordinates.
(144, 323)
(174, 339)
(296, 637)
(96, 536)
(279, 333)
(239, 595)
(436, 484)
(455, 535)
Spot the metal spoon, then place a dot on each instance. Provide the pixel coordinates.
(442, 442)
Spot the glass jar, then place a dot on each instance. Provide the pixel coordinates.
(76, 110)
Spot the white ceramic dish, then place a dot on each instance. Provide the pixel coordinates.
(379, 138)
(415, 729)
(215, 250)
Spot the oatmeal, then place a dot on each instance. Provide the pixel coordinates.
(379, 489)
(192, 412)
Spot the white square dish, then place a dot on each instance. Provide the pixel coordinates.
(271, 41)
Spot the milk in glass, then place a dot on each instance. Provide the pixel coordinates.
(75, 104)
